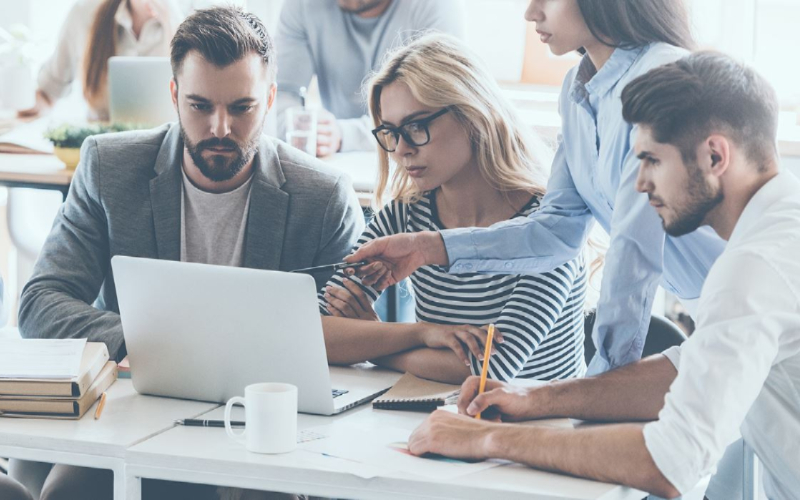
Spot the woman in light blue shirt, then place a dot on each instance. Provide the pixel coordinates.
(593, 178)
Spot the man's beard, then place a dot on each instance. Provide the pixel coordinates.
(364, 6)
(221, 168)
(701, 199)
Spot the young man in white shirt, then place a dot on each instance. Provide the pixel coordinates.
(707, 143)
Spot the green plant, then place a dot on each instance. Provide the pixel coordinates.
(72, 136)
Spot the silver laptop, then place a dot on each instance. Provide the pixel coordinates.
(138, 90)
(196, 331)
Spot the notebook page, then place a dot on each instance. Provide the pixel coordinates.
(41, 358)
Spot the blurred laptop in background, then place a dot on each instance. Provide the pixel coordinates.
(139, 90)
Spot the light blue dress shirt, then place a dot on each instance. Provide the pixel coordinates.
(593, 178)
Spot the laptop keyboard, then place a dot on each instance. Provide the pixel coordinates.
(338, 392)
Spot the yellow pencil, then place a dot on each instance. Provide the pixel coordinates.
(485, 368)
(100, 406)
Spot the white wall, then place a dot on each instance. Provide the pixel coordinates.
(496, 32)
(45, 28)
(792, 164)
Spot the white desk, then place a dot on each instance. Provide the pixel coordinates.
(34, 171)
(207, 455)
(128, 418)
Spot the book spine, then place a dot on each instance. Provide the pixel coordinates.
(36, 388)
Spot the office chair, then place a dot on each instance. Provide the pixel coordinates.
(662, 334)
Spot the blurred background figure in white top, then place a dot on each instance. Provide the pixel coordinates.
(94, 31)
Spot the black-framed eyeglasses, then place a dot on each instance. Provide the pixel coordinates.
(415, 132)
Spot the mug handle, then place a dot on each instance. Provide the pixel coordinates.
(238, 436)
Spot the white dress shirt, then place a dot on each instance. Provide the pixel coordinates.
(740, 371)
(66, 63)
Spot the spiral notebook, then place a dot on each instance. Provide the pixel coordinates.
(412, 393)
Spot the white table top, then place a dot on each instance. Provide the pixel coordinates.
(34, 168)
(128, 418)
(195, 453)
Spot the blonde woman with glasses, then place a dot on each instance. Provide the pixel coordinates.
(453, 153)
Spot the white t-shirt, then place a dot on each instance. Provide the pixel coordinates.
(213, 225)
(740, 370)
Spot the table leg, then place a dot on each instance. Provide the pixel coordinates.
(132, 487)
(119, 481)
(392, 303)
(750, 483)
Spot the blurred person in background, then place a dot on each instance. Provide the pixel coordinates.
(94, 31)
(341, 42)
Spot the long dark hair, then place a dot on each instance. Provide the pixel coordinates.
(102, 45)
(634, 23)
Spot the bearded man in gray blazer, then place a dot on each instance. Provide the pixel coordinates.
(210, 188)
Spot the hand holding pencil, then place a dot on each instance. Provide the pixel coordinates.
(503, 401)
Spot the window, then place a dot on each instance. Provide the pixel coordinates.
(759, 32)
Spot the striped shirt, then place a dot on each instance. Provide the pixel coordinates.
(540, 316)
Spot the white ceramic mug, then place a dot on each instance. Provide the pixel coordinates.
(270, 418)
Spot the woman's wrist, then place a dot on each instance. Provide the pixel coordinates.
(432, 248)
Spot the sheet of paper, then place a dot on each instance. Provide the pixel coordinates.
(388, 447)
(336, 464)
(41, 358)
(308, 436)
(27, 138)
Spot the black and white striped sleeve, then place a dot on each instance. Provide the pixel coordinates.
(528, 317)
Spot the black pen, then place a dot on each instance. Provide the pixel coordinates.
(195, 422)
(329, 267)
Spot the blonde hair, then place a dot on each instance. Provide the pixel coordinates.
(442, 72)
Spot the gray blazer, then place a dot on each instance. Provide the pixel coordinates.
(125, 199)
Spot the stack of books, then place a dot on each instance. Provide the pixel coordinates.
(57, 394)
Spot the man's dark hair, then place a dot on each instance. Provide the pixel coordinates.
(635, 23)
(222, 35)
(686, 101)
